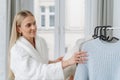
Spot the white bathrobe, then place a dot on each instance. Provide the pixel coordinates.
(28, 63)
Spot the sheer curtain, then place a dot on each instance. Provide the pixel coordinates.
(105, 12)
(3, 38)
(98, 12)
(116, 17)
(17, 5)
(14, 6)
(59, 30)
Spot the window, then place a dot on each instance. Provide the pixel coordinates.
(43, 20)
(51, 16)
(74, 23)
(52, 20)
(42, 9)
(47, 15)
(51, 9)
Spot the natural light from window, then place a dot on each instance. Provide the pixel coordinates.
(44, 11)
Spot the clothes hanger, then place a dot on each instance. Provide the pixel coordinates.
(103, 34)
(95, 33)
(112, 38)
(96, 30)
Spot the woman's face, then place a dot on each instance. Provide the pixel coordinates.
(28, 27)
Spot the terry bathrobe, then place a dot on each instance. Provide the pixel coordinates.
(29, 63)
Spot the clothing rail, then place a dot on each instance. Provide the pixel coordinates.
(114, 28)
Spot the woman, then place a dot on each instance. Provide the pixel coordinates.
(29, 53)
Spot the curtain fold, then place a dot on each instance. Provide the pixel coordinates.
(14, 7)
(17, 5)
(97, 13)
(105, 12)
(116, 18)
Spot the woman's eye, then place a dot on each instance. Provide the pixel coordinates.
(28, 25)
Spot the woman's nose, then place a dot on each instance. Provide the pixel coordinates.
(33, 27)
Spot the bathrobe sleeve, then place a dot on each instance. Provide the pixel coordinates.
(27, 68)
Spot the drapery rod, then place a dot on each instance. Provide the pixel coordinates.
(114, 28)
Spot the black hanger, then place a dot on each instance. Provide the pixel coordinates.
(96, 32)
(103, 33)
(112, 39)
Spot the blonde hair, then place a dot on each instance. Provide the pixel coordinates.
(20, 16)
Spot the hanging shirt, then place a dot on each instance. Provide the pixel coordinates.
(29, 63)
(103, 61)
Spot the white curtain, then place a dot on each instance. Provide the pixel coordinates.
(116, 18)
(3, 38)
(105, 12)
(59, 30)
(98, 13)
(17, 5)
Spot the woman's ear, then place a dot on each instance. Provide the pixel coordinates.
(18, 30)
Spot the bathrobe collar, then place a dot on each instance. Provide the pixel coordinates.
(29, 48)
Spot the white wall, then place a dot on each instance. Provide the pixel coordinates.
(74, 14)
(3, 38)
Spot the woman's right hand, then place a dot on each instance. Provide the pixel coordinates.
(78, 57)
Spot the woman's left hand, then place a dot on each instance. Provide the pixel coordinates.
(59, 59)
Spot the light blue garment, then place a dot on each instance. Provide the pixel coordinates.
(103, 61)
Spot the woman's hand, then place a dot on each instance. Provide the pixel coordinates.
(78, 57)
(57, 60)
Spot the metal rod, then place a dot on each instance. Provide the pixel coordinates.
(114, 28)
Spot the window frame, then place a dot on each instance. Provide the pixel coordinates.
(47, 14)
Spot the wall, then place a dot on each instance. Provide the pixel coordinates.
(74, 14)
